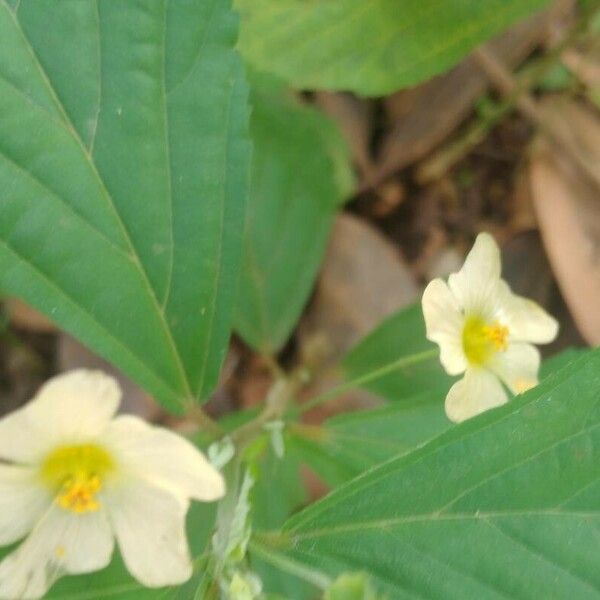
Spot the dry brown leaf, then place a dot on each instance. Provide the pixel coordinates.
(568, 210)
(22, 373)
(585, 66)
(24, 317)
(354, 117)
(363, 280)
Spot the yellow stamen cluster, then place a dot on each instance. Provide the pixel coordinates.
(79, 493)
(481, 340)
(498, 335)
(75, 474)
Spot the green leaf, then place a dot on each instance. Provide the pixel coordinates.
(301, 581)
(283, 474)
(123, 165)
(504, 505)
(402, 334)
(300, 174)
(560, 360)
(373, 47)
(346, 445)
(279, 492)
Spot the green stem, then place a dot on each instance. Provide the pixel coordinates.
(287, 565)
(226, 510)
(280, 394)
(197, 414)
(405, 361)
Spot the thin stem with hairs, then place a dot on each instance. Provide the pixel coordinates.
(405, 361)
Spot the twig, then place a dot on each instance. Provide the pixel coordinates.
(441, 161)
(506, 83)
(281, 393)
(206, 423)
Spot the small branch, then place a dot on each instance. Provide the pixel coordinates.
(206, 423)
(441, 161)
(281, 393)
(273, 366)
(506, 83)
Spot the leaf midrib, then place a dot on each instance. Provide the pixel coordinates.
(433, 518)
(218, 273)
(168, 160)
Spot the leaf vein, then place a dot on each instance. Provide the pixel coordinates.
(533, 550)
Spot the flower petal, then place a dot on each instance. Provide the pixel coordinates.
(518, 367)
(23, 501)
(526, 320)
(88, 542)
(478, 391)
(21, 439)
(61, 543)
(163, 458)
(444, 323)
(70, 407)
(150, 527)
(77, 404)
(475, 285)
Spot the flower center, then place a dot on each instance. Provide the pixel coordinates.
(481, 340)
(76, 474)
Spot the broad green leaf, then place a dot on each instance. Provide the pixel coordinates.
(304, 581)
(346, 445)
(401, 335)
(123, 167)
(300, 174)
(372, 47)
(504, 505)
(278, 492)
(283, 474)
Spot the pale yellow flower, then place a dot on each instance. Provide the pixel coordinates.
(484, 331)
(74, 477)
